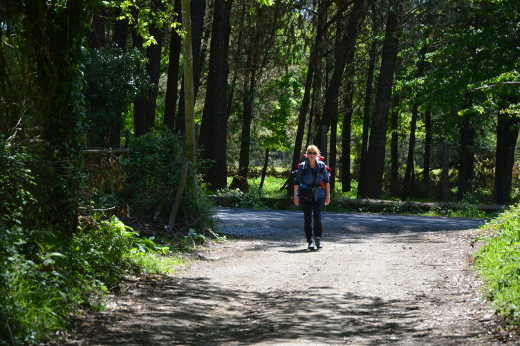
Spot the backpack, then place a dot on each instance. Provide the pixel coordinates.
(321, 158)
(299, 165)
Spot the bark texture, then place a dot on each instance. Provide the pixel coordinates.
(213, 132)
(377, 141)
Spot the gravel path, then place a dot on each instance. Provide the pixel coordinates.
(398, 280)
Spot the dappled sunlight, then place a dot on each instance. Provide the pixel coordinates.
(195, 311)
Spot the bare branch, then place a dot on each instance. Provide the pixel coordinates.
(492, 85)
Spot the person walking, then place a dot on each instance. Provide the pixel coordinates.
(312, 191)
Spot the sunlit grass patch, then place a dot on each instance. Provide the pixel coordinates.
(498, 262)
(152, 263)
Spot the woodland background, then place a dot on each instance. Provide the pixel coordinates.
(146, 108)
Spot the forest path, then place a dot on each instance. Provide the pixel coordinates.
(378, 280)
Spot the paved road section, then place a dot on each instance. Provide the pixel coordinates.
(247, 223)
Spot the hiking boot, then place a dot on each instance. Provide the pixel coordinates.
(312, 245)
(317, 241)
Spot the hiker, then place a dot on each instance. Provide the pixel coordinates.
(312, 190)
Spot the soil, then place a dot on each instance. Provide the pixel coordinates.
(378, 280)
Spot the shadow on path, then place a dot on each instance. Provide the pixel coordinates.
(195, 312)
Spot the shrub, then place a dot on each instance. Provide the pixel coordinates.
(498, 262)
(152, 176)
(45, 277)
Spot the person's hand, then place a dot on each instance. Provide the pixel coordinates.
(327, 200)
(296, 200)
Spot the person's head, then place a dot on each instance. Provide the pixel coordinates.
(312, 152)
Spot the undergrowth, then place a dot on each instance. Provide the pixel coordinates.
(42, 290)
(47, 276)
(498, 262)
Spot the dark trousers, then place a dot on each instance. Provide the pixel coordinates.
(312, 212)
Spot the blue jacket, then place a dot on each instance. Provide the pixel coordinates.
(307, 177)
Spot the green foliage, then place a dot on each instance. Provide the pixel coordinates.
(251, 199)
(114, 77)
(143, 15)
(285, 90)
(152, 174)
(42, 289)
(498, 261)
(44, 276)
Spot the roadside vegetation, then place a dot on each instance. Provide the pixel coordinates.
(47, 277)
(498, 262)
(270, 196)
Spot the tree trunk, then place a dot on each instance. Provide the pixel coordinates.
(507, 135)
(347, 35)
(178, 195)
(172, 84)
(467, 157)
(53, 48)
(264, 168)
(377, 141)
(346, 135)
(427, 149)
(394, 151)
(121, 33)
(240, 181)
(332, 150)
(139, 101)
(96, 36)
(314, 114)
(198, 11)
(409, 175)
(304, 109)
(445, 163)
(187, 52)
(347, 125)
(213, 132)
(154, 72)
(366, 120)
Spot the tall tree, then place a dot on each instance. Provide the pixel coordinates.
(198, 11)
(377, 141)
(312, 66)
(409, 176)
(367, 107)
(146, 103)
(508, 126)
(52, 36)
(346, 135)
(261, 36)
(394, 147)
(348, 31)
(428, 142)
(466, 154)
(172, 85)
(213, 132)
(189, 96)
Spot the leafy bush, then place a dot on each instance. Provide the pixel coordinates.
(113, 78)
(498, 262)
(41, 291)
(152, 177)
(45, 277)
(250, 199)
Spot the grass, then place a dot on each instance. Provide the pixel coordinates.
(271, 189)
(498, 263)
(151, 263)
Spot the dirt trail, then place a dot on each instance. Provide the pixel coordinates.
(378, 280)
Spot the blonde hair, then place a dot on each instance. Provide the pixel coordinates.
(312, 147)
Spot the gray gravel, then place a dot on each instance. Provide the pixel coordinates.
(379, 280)
(248, 223)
